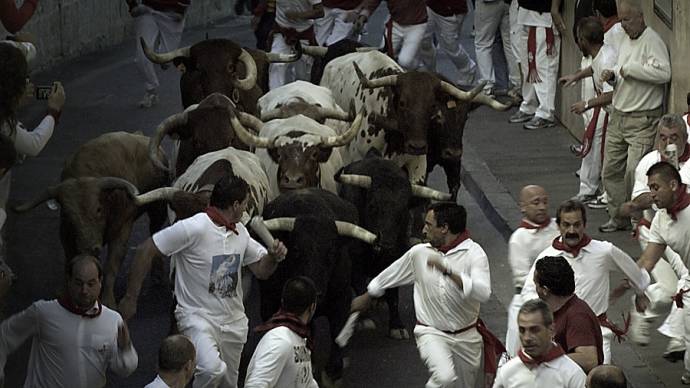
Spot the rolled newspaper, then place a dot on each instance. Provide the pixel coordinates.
(348, 329)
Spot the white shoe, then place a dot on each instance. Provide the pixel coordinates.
(150, 99)
(640, 328)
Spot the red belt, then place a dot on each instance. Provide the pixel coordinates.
(617, 331)
(642, 222)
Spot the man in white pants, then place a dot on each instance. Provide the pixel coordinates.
(159, 21)
(404, 29)
(592, 262)
(491, 16)
(535, 233)
(540, 45)
(209, 250)
(294, 22)
(670, 228)
(337, 22)
(451, 279)
(445, 22)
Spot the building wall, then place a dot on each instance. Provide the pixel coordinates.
(677, 40)
(65, 29)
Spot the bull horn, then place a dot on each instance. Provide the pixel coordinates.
(164, 128)
(486, 100)
(351, 230)
(111, 182)
(271, 115)
(389, 80)
(161, 58)
(366, 49)
(332, 113)
(362, 181)
(49, 193)
(461, 94)
(249, 81)
(245, 136)
(159, 194)
(347, 136)
(285, 224)
(429, 193)
(278, 58)
(315, 51)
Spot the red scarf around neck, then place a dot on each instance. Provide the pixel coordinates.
(553, 353)
(217, 216)
(527, 224)
(66, 302)
(561, 246)
(461, 237)
(686, 153)
(681, 203)
(292, 322)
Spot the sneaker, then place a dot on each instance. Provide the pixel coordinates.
(600, 203)
(538, 123)
(640, 328)
(520, 117)
(675, 351)
(613, 226)
(685, 378)
(150, 99)
(584, 198)
(575, 149)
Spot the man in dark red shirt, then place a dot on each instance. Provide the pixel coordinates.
(576, 327)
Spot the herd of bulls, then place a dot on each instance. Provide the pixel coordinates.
(336, 186)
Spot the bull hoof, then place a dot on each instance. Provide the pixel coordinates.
(326, 381)
(366, 324)
(399, 334)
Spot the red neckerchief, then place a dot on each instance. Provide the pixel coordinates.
(686, 153)
(292, 322)
(216, 216)
(681, 203)
(66, 302)
(610, 22)
(527, 224)
(533, 74)
(553, 353)
(461, 237)
(558, 244)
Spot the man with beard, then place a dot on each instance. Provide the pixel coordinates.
(540, 362)
(670, 228)
(451, 279)
(592, 262)
(534, 234)
(75, 339)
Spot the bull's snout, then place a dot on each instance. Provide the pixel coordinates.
(416, 147)
(452, 154)
(292, 181)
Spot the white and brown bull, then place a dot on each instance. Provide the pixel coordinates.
(97, 197)
(297, 152)
(221, 66)
(403, 106)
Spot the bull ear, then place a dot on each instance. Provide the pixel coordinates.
(273, 153)
(183, 64)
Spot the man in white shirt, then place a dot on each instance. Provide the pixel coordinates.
(282, 358)
(670, 228)
(535, 233)
(209, 250)
(176, 363)
(75, 339)
(451, 279)
(592, 262)
(540, 362)
(639, 79)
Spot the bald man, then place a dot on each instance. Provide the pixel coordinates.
(176, 363)
(534, 234)
(606, 376)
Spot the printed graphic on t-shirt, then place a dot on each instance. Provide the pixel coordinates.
(224, 275)
(302, 356)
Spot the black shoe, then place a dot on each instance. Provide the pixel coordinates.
(675, 356)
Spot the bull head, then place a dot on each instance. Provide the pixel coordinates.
(301, 107)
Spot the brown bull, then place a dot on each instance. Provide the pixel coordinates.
(97, 197)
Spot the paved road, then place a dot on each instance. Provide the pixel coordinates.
(102, 92)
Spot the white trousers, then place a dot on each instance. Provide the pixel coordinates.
(164, 28)
(447, 30)
(335, 25)
(590, 168)
(539, 98)
(280, 74)
(452, 360)
(218, 349)
(488, 19)
(514, 30)
(686, 322)
(406, 41)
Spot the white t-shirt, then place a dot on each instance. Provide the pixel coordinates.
(281, 360)
(525, 245)
(157, 383)
(614, 36)
(559, 373)
(674, 234)
(208, 260)
(438, 301)
(283, 6)
(528, 17)
(605, 60)
(640, 186)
